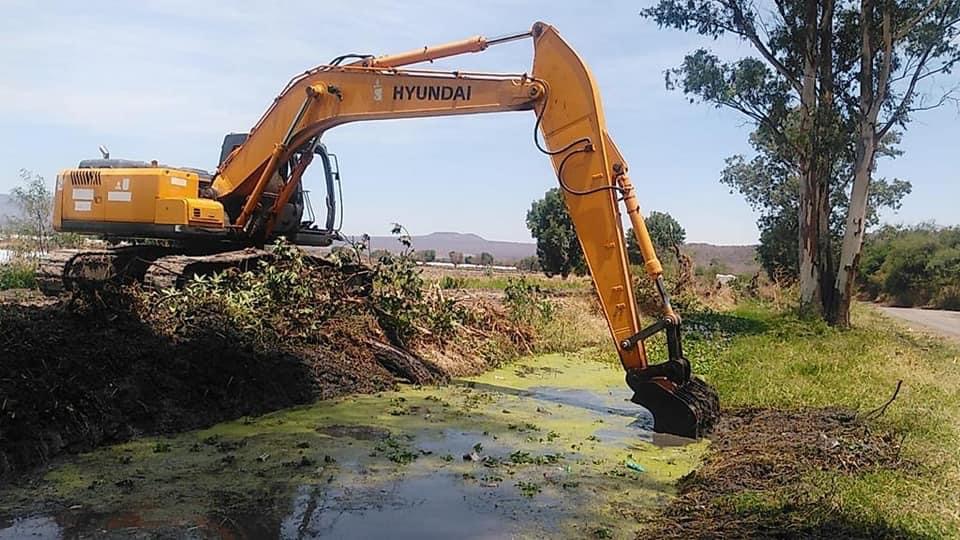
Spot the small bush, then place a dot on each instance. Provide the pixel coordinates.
(453, 282)
(526, 302)
(18, 274)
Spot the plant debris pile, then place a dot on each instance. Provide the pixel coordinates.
(753, 481)
(102, 368)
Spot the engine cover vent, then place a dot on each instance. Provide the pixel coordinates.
(85, 178)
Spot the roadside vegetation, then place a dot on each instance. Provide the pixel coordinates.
(825, 432)
(912, 266)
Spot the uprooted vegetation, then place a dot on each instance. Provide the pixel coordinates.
(747, 486)
(102, 368)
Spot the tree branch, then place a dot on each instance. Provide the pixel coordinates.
(746, 31)
(912, 23)
(947, 96)
(881, 94)
(918, 74)
(764, 120)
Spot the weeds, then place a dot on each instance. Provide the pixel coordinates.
(396, 451)
(526, 303)
(528, 489)
(18, 274)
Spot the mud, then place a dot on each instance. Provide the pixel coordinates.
(70, 382)
(536, 449)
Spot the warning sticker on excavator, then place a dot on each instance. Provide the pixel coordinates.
(82, 206)
(119, 196)
(82, 194)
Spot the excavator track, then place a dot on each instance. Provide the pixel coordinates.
(71, 270)
(156, 267)
(173, 271)
(68, 270)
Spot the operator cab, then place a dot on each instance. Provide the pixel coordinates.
(298, 222)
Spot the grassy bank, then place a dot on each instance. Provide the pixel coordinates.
(757, 357)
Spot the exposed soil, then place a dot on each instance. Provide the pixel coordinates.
(750, 485)
(70, 382)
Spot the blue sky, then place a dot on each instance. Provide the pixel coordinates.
(167, 79)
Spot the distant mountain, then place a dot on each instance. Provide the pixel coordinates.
(737, 259)
(8, 208)
(466, 243)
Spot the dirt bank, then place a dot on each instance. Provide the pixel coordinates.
(70, 382)
(759, 477)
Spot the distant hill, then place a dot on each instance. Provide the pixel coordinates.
(8, 208)
(738, 259)
(466, 243)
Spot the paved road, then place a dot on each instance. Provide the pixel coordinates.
(945, 323)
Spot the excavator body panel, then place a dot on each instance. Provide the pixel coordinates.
(150, 202)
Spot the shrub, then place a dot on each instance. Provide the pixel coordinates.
(18, 274)
(912, 266)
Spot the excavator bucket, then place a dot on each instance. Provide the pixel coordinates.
(688, 410)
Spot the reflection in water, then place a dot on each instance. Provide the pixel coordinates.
(437, 506)
(40, 527)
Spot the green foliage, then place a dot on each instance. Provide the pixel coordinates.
(499, 282)
(292, 297)
(452, 282)
(403, 305)
(427, 255)
(803, 92)
(772, 190)
(794, 363)
(558, 249)
(526, 303)
(529, 264)
(288, 298)
(455, 257)
(664, 231)
(35, 202)
(486, 259)
(18, 274)
(913, 266)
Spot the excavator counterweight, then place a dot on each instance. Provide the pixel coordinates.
(255, 194)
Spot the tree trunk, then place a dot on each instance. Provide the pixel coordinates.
(810, 179)
(810, 241)
(853, 232)
(839, 312)
(826, 150)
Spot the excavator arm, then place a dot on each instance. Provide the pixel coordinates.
(591, 172)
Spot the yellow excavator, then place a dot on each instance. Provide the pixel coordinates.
(207, 222)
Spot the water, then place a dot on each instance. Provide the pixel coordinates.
(536, 449)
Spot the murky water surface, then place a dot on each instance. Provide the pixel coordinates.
(539, 448)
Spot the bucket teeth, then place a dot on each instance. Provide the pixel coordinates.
(688, 411)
